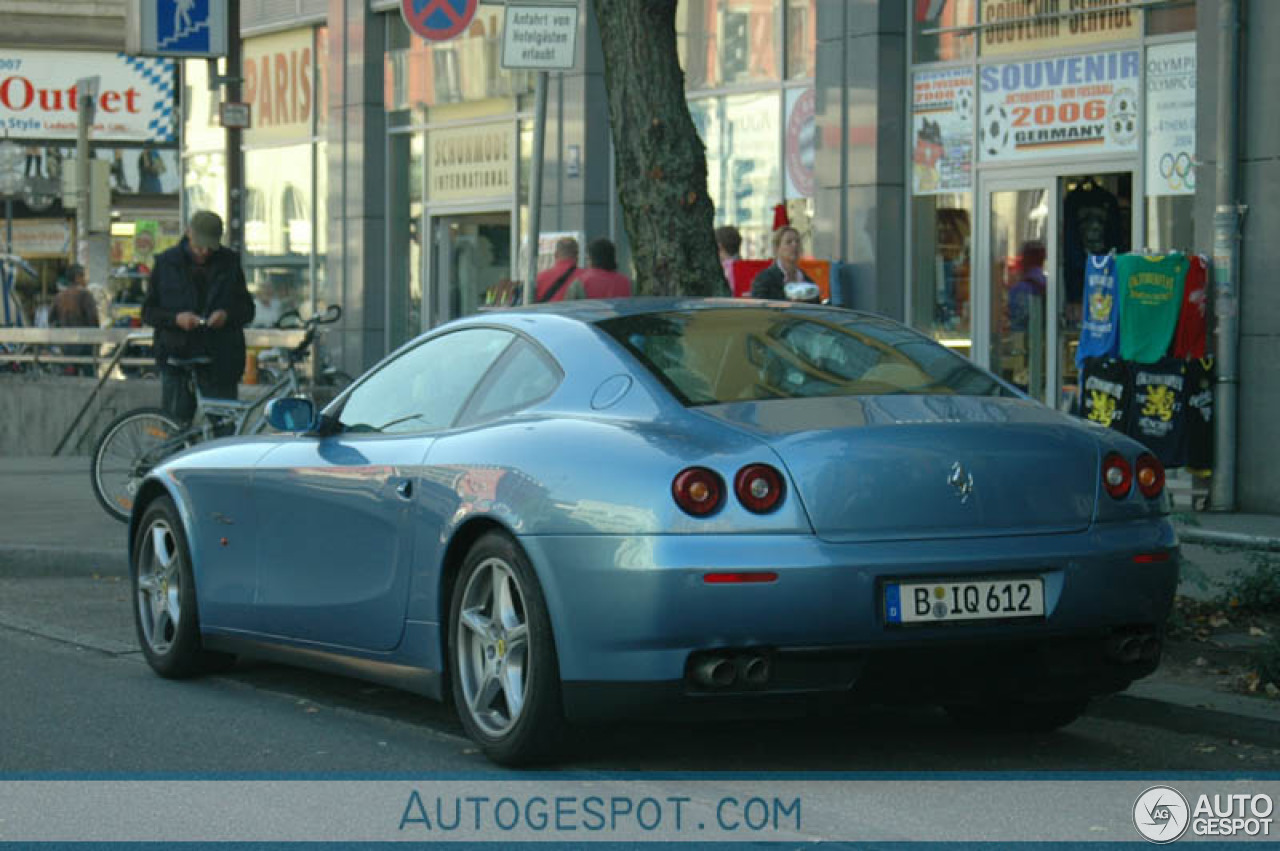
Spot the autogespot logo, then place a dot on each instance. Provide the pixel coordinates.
(1161, 814)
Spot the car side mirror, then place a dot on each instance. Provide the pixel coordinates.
(291, 414)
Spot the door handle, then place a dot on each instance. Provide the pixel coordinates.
(405, 489)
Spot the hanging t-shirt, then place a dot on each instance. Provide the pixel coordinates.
(1100, 333)
(1189, 340)
(1150, 297)
(1156, 417)
(1105, 389)
(1200, 414)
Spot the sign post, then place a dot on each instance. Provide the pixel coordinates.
(86, 95)
(538, 38)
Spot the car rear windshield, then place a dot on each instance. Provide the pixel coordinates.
(709, 356)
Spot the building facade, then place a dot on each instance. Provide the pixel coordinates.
(45, 48)
(940, 152)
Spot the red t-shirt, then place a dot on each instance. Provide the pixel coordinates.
(603, 283)
(547, 277)
(1189, 339)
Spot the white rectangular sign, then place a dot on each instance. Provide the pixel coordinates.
(1061, 106)
(1171, 119)
(540, 37)
(134, 102)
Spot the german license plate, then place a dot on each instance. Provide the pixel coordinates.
(963, 600)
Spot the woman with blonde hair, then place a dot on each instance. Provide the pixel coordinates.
(785, 269)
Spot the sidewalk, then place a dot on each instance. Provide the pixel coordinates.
(51, 525)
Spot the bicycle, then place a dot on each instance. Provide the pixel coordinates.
(136, 441)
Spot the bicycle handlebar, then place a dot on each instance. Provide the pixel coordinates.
(328, 316)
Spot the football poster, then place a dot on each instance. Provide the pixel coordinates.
(1064, 106)
(942, 132)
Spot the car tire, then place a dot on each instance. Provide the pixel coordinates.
(503, 669)
(165, 614)
(1018, 716)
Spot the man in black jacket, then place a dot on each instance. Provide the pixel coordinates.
(199, 304)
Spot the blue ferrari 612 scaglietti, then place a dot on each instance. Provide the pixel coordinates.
(595, 508)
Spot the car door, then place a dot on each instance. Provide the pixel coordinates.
(336, 546)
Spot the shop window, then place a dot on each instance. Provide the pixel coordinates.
(723, 42)
(1172, 18)
(801, 35)
(743, 163)
(418, 75)
(928, 17)
(941, 251)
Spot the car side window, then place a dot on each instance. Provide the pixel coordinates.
(525, 375)
(424, 388)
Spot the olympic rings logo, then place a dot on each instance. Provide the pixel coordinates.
(1178, 170)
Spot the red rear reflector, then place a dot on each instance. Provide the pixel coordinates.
(749, 576)
(1151, 558)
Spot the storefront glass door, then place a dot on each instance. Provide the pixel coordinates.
(1019, 259)
(1036, 234)
(471, 254)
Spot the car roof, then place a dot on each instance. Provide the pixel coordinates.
(596, 310)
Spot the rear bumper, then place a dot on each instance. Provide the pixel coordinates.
(634, 609)
(1049, 669)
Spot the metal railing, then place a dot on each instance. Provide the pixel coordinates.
(28, 345)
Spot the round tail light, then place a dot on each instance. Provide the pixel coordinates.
(759, 488)
(1150, 475)
(698, 491)
(1117, 475)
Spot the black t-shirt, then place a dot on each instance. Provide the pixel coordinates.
(1200, 376)
(1105, 391)
(1157, 413)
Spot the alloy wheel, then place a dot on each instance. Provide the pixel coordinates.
(492, 647)
(159, 587)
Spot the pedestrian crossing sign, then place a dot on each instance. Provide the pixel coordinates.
(195, 28)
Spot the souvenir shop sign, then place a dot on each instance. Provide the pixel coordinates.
(1033, 26)
(1063, 106)
(1171, 119)
(942, 131)
(38, 95)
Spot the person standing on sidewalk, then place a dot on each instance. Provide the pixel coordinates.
(74, 307)
(601, 279)
(552, 283)
(199, 304)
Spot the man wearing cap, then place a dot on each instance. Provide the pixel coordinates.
(199, 304)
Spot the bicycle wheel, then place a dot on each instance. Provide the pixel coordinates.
(129, 447)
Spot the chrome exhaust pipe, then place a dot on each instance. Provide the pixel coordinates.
(754, 670)
(714, 672)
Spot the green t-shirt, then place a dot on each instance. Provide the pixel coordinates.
(1150, 298)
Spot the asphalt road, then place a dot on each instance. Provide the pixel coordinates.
(80, 698)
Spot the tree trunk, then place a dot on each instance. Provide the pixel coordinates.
(661, 162)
